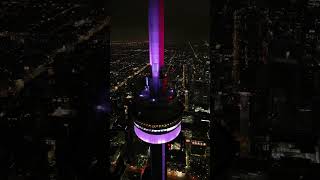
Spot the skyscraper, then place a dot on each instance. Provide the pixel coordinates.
(250, 42)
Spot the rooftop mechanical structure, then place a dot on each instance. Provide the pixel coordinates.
(157, 108)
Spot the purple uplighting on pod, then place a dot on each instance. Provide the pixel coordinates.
(156, 36)
(156, 138)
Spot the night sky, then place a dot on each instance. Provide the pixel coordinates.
(184, 20)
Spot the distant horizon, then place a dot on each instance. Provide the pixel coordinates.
(170, 35)
(146, 41)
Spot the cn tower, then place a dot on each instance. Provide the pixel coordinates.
(157, 108)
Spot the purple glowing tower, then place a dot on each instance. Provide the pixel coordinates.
(157, 108)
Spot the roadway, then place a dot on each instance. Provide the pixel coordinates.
(170, 62)
(115, 88)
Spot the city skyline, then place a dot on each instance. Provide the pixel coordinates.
(224, 89)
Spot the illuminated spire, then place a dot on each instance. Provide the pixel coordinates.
(156, 36)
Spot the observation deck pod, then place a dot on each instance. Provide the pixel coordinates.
(157, 119)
